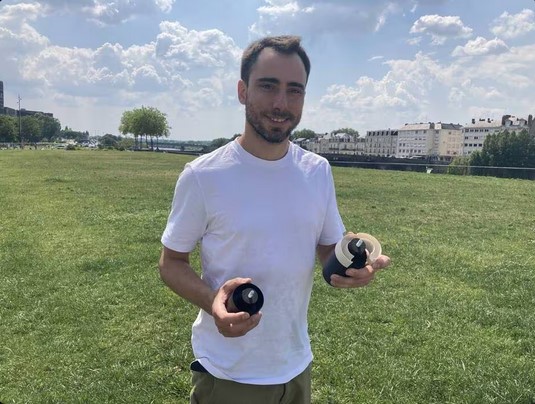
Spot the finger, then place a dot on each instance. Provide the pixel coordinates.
(223, 318)
(232, 284)
(351, 282)
(239, 329)
(381, 262)
(220, 301)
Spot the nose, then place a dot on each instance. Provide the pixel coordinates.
(280, 100)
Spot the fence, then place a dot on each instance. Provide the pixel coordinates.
(500, 172)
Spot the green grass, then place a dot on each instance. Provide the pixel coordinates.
(84, 317)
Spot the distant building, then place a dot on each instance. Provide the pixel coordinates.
(26, 112)
(15, 112)
(1, 96)
(318, 145)
(514, 124)
(336, 143)
(475, 133)
(450, 140)
(441, 141)
(381, 142)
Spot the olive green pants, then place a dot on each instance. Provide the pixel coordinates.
(209, 390)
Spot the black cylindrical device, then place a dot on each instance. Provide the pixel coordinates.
(353, 251)
(246, 297)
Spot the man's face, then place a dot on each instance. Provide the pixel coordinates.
(275, 95)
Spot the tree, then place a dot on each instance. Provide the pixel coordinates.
(220, 141)
(304, 134)
(50, 126)
(108, 141)
(476, 159)
(505, 149)
(125, 143)
(8, 129)
(144, 121)
(68, 133)
(126, 126)
(31, 129)
(459, 165)
(349, 131)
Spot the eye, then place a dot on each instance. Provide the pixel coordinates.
(296, 91)
(267, 86)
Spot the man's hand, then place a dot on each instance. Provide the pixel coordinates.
(360, 277)
(232, 324)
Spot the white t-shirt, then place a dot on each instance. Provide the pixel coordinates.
(262, 220)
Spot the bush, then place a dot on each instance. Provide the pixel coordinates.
(459, 166)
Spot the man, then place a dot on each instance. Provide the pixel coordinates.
(261, 208)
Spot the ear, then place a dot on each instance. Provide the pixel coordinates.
(242, 92)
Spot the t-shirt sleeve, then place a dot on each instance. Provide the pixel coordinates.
(187, 220)
(333, 227)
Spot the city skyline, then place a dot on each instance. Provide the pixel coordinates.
(375, 65)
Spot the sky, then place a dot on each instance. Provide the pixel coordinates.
(376, 64)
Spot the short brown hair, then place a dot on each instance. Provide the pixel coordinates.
(286, 44)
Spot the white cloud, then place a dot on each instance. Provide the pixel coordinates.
(179, 61)
(480, 46)
(441, 28)
(320, 17)
(106, 12)
(398, 96)
(513, 71)
(512, 26)
(414, 41)
(196, 49)
(18, 38)
(374, 58)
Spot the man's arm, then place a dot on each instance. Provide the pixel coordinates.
(324, 252)
(177, 273)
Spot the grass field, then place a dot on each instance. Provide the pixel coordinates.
(84, 317)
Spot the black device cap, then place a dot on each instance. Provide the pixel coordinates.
(357, 247)
(248, 297)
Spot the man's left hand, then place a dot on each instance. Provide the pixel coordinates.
(357, 278)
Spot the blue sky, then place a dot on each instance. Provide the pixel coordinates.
(376, 64)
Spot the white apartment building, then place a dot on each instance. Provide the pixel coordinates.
(317, 144)
(450, 143)
(339, 143)
(381, 142)
(438, 140)
(475, 133)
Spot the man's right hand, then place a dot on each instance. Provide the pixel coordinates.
(232, 324)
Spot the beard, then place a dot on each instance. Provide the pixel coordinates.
(273, 135)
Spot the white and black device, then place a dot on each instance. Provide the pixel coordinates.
(353, 251)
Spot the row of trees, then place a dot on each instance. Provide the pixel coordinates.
(503, 149)
(147, 122)
(36, 129)
(506, 149)
(33, 129)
